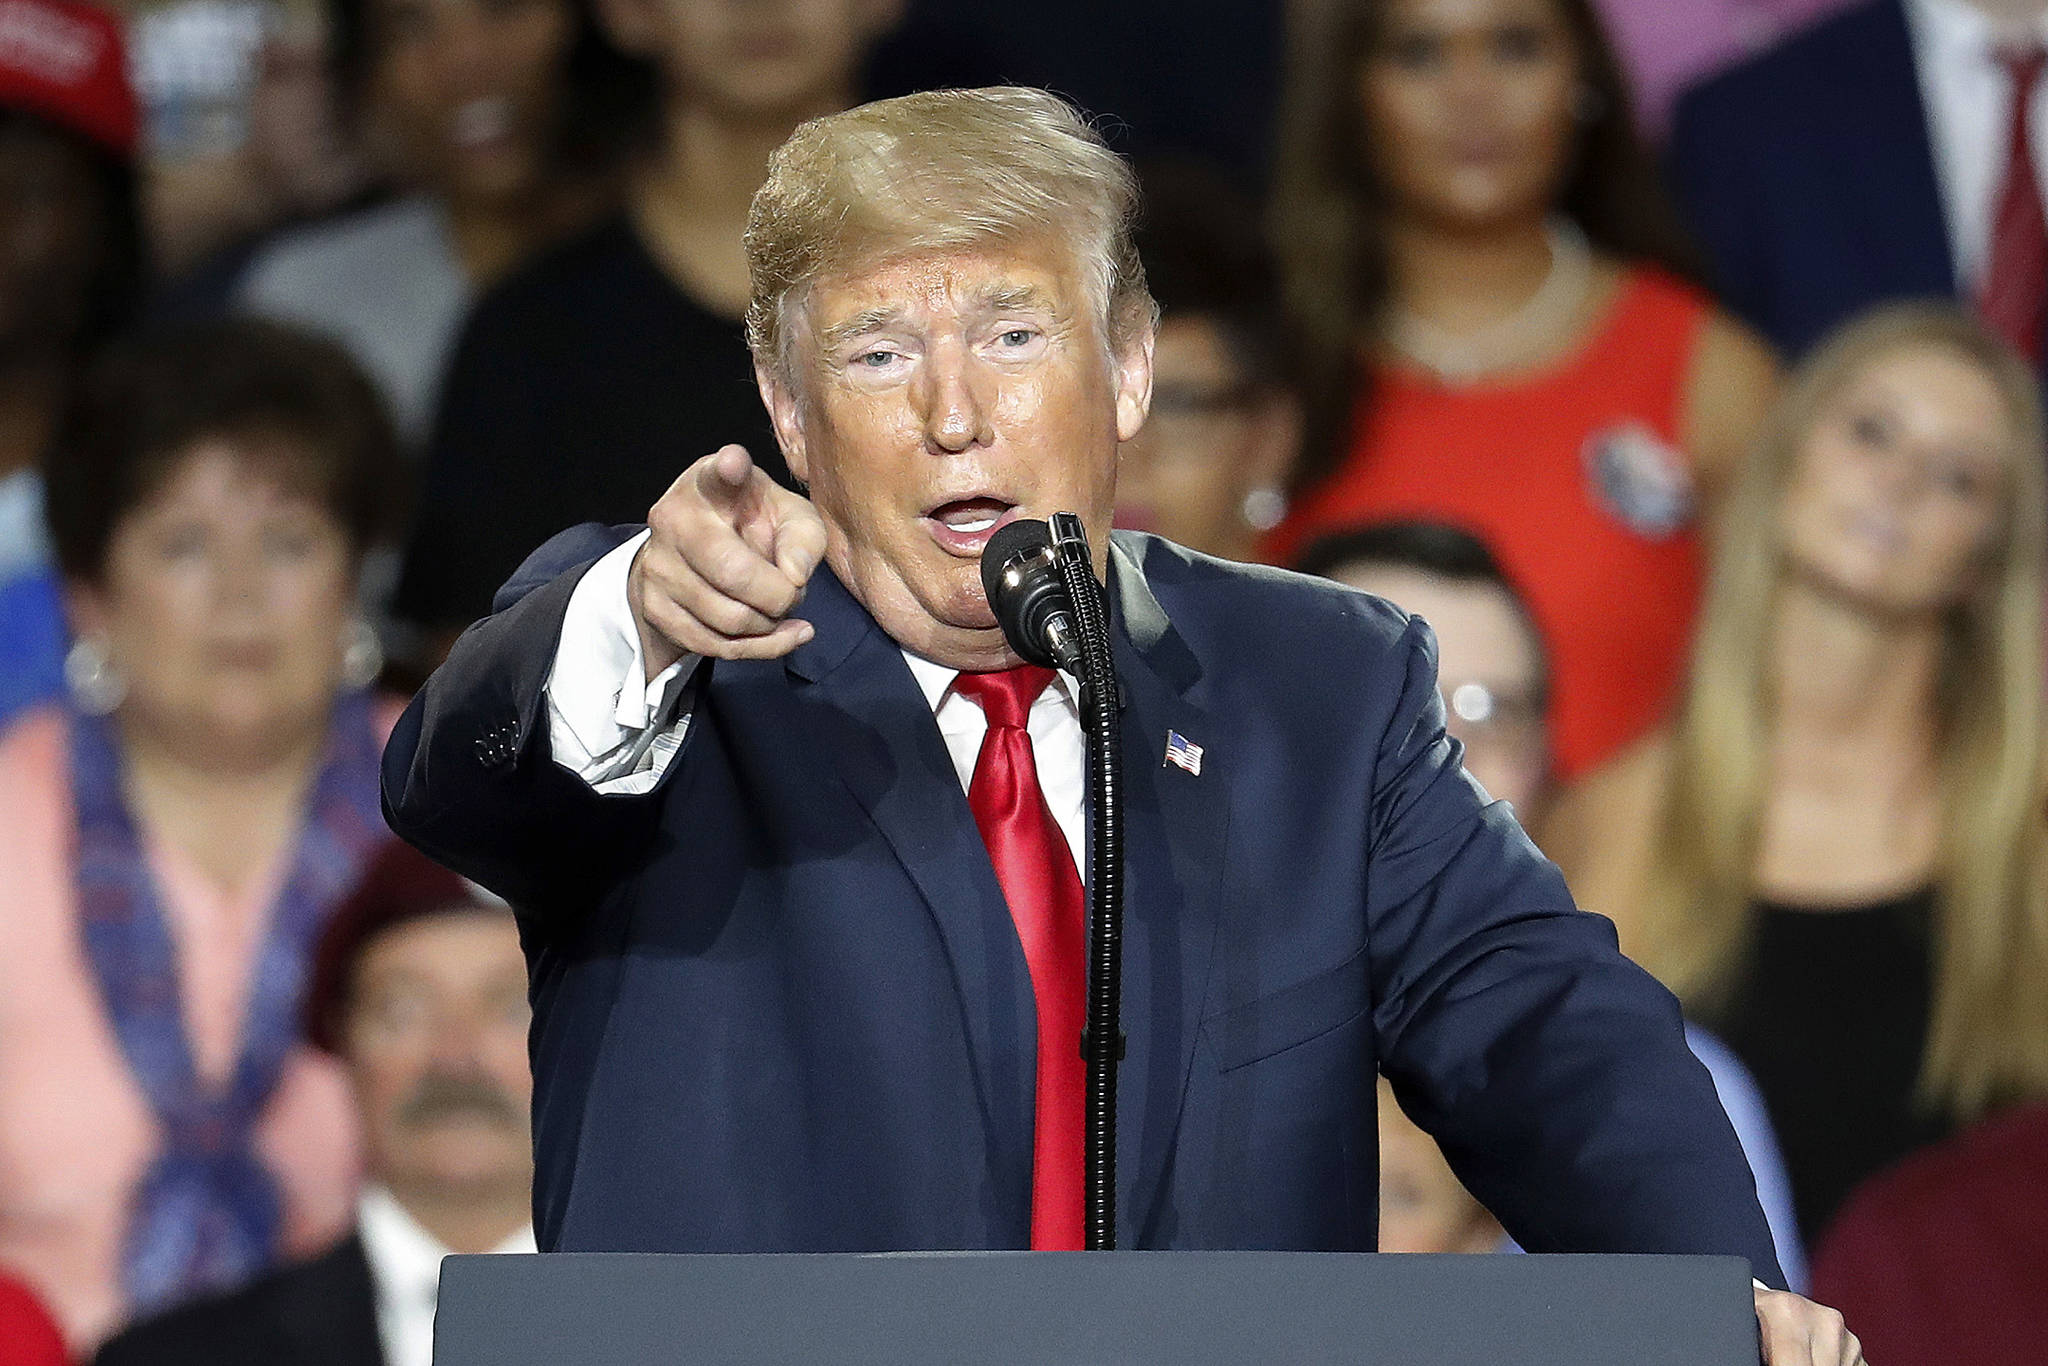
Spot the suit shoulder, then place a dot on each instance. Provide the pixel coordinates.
(1260, 612)
(222, 1327)
(1788, 74)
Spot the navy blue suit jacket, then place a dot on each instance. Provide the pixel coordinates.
(1807, 175)
(780, 1003)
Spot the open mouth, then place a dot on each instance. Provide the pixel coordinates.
(964, 525)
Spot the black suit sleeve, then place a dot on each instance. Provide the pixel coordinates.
(468, 774)
(1553, 1072)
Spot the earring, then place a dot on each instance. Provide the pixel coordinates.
(96, 686)
(1263, 508)
(362, 655)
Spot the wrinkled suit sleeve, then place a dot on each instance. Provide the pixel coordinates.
(469, 775)
(1553, 1071)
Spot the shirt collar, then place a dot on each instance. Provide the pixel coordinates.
(934, 680)
(405, 1259)
(1952, 31)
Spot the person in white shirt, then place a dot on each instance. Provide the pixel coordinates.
(1899, 149)
(420, 988)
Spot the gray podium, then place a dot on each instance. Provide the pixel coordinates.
(1094, 1309)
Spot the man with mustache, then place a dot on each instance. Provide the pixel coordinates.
(420, 989)
(794, 836)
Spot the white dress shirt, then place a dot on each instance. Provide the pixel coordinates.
(1968, 99)
(618, 732)
(405, 1268)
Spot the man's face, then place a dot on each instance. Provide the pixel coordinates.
(472, 89)
(435, 1036)
(1490, 668)
(937, 398)
(755, 58)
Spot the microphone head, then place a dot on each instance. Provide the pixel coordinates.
(1023, 587)
(1011, 541)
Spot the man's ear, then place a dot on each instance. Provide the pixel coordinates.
(1133, 384)
(634, 26)
(785, 412)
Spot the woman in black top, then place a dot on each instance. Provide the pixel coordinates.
(1835, 851)
(1831, 1015)
(585, 383)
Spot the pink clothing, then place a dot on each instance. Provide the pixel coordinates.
(76, 1134)
(1665, 46)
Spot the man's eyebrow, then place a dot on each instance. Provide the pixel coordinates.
(1008, 298)
(860, 324)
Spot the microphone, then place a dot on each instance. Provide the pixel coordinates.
(1020, 573)
(1045, 596)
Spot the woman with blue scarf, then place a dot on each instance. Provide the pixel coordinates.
(174, 833)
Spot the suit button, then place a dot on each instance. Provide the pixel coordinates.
(497, 747)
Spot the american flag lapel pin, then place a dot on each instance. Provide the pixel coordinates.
(1181, 753)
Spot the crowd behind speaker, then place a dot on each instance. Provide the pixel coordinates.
(1680, 365)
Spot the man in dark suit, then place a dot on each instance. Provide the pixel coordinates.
(1884, 153)
(419, 988)
(757, 780)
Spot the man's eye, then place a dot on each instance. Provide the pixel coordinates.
(1414, 51)
(1017, 336)
(1870, 430)
(181, 542)
(1520, 43)
(1960, 480)
(874, 360)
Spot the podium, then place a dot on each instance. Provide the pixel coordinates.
(1094, 1309)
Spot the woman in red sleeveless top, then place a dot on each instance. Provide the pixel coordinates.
(1493, 292)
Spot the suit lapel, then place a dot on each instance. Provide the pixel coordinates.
(1877, 90)
(876, 726)
(1176, 824)
(874, 723)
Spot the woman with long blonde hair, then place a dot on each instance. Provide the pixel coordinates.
(1834, 851)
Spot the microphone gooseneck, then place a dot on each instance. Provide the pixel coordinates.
(1042, 587)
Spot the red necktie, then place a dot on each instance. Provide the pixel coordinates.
(1036, 870)
(2014, 295)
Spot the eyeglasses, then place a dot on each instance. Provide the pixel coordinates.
(1198, 400)
(1478, 705)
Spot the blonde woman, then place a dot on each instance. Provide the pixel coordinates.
(1833, 853)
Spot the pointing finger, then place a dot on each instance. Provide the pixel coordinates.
(724, 477)
(732, 465)
(799, 547)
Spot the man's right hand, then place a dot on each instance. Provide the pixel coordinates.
(726, 561)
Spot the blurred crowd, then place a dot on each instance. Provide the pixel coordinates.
(1681, 364)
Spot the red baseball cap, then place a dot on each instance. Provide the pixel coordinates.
(68, 63)
(399, 885)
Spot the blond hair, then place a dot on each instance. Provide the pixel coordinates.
(1988, 1035)
(942, 170)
